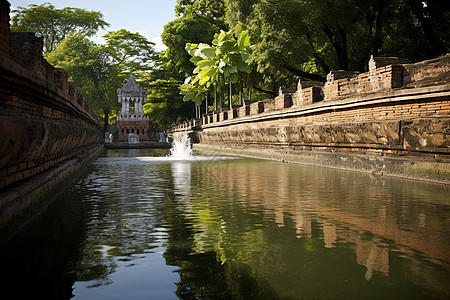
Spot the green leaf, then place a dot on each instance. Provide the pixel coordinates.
(233, 69)
(209, 52)
(195, 59)
(245, 56)
(234, 77)
(206, 63)
(244, 39)
(185, 88)
(187, 97)
(206, 75)
(221, 37)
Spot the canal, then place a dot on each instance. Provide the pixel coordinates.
(141, 225)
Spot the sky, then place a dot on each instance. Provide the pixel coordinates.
(147, 17)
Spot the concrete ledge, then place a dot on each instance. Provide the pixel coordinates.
(430, 169)
(25, 200)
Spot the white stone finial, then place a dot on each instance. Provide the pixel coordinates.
(372, 65)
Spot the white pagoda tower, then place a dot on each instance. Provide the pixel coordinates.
(131, 118)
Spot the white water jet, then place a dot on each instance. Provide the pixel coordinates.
(181, 149)
(180, 152)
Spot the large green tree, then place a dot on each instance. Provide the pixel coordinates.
(309, 38)
(54, 25)
(99, 70)
(197, 22)
(220, 65)
(165, 107)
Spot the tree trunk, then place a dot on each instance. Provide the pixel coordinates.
(250, 89)
(344, 51)
(339, 45)
(106, 121)
(425, 22)
(215, 97)
(230, 97)
(311, 76)
(265, 91)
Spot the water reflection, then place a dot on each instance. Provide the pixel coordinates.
(376, 223)
(146, 227)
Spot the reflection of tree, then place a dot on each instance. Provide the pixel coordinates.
(248, 215)
(255, 229)
(202, 273)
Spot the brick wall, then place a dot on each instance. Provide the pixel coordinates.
(383, 125)
(256, 108)
(283, 101)
(395, 107)
(139, 127)
(44, 120)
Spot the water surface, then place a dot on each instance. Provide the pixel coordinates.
(140, 225)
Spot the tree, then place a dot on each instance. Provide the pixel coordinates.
(165, 107)
(54, 25)
(434, 20)
(89, 66)
(197, 22)
(223, 63)
(130, 52)
(212, 9)
(99, 70)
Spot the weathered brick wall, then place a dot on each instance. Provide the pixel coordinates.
(256, 108)
(342, 84)
(223, 115)
(43, 118)
(396, 107)
(416, 124)
(283, 101)
(430, 72)
(243, 111)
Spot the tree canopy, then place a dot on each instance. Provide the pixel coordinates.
(219, 47)
(99, 70)
(54, 25)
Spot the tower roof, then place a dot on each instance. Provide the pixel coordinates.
(132, 89)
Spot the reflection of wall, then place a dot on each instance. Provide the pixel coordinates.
(346, 204)
(329, 235)
(373, 257)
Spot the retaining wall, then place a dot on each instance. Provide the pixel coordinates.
(43, 118)
(397, 109)
(44, 121)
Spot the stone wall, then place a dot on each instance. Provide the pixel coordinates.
(44, 120)
(397, 108)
